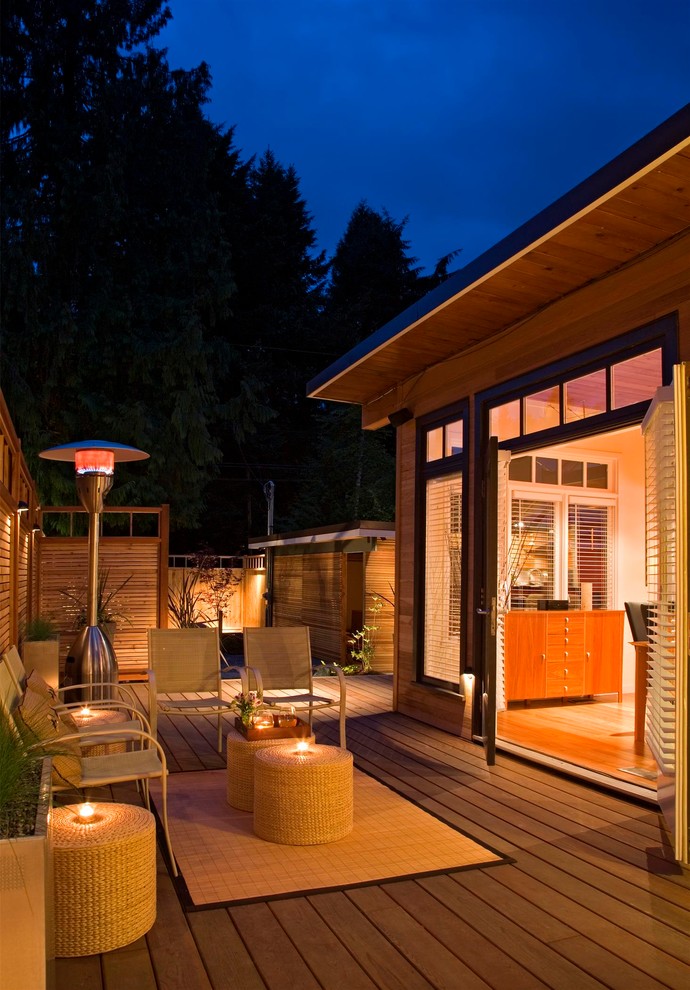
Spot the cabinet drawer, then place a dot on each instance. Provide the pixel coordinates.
(572, 621)
(565, 679)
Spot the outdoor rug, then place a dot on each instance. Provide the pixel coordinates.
(222, 862)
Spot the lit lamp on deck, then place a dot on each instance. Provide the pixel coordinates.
(92, 653)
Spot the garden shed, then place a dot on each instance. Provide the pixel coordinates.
(334, 579)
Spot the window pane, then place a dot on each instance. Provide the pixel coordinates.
(597, 475)
(636, 379)
(520, 469)
(585, 396)
(442, 578)
(504, 421)
(531, 555)
(546, 471)
(542, 410)
(590, 556)
(434, 444)
(454, 438)
(572, 473)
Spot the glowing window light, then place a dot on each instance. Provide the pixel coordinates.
(94, 461)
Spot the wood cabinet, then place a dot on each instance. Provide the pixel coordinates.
(563, 654)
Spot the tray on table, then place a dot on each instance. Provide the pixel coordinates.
(254, 733)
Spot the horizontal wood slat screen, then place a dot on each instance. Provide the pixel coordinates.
(5, 597)
(379, 581)
(308, 591)
(64, 567)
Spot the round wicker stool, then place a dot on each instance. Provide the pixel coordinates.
(101, 718)
(303, 799)
(240, 779)
(105, 878)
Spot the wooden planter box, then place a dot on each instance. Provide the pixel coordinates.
(299, 731)
(44, 657)
(26, 904)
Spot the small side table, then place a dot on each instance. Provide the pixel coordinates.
(101, 718)
(240, 759)
(105, 878)
(303, 798)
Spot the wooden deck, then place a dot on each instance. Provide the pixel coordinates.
(592, 899)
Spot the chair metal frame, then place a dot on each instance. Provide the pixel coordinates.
(186, 661)
(142, 764)
(278, 658)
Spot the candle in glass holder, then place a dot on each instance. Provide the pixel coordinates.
(85, 813)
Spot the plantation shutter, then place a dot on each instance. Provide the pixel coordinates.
(443, 578)
(667, 454)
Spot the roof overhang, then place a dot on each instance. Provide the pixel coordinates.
(325, 534)
(631, 207)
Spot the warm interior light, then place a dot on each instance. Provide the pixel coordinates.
(94, 461)
(85, 812)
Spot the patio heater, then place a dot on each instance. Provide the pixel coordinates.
(91, 659)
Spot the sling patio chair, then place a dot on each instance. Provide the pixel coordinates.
(186, 661)
(122, 698)
(278, 659)
(39, 727)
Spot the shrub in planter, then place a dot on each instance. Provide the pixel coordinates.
(25, 880)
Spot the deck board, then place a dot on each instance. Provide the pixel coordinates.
(590, 899)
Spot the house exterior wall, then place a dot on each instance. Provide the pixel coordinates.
(654, 287)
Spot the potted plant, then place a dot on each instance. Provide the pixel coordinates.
(41, 649)
(109, 611)
(25, 894)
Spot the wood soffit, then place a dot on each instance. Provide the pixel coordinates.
(642, 209)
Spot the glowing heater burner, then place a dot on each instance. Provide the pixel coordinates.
(94, 461)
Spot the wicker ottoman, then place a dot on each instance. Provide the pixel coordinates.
(240, 779)
(105, 878)
(303, 799)
(101, 718)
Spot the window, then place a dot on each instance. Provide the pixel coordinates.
(442, 584)
(611, 387)
(442, 490)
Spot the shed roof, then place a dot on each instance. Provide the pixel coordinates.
(629, 208)
(326, 534)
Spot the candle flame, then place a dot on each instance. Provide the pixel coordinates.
(85, 812)
(302, 746)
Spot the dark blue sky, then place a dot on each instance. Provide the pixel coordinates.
(467, 116)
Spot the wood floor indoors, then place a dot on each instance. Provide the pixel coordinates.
(598, 735)
(592, 899)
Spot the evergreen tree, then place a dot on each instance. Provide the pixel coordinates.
(115, 267)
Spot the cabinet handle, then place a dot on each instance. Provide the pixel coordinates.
(588, 655)
(565, 688)
(566, 654)
(566, 638)
(566, 671)
(543, 656)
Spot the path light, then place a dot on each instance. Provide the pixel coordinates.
(92, 658)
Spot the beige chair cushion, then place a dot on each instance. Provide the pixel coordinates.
(42, 724)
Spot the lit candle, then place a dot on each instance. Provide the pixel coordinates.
(85, 813)
(302, 747)
(85, 712)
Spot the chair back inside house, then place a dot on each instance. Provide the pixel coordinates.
(281, 654)
(185, 659)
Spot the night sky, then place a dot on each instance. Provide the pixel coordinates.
(466, 116)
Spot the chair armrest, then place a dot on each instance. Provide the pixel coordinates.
(120, 690)
(100, 735)
(242, 671)
(338, 671)
(256, 674)
(109, 706)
